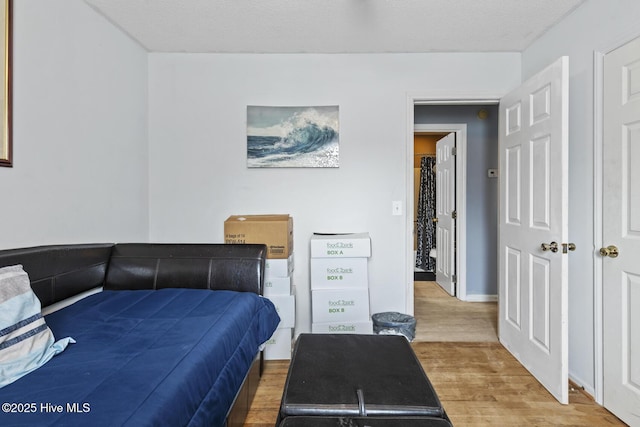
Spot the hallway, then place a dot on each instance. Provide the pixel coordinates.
(441, 317)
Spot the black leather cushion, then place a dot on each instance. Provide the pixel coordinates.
(60, 271)
(200, 266)
(355, 375)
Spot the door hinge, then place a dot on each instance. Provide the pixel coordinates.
(454, 214)
(454, 278)
(454, 152)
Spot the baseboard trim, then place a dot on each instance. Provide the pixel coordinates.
(481, 298)
(583, 386)
(424, 276)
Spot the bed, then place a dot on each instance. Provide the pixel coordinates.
(163, 344)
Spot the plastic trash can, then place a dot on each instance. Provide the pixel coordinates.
(393, 323)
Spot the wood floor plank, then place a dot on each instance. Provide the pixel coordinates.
(477, 380)
(479, 384)
(441, 317)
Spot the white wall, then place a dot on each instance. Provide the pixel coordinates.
(80, 138)
(197, 133)
(596, 26)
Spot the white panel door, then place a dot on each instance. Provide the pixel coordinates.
(533, 273)
(621, 228)
(445, 211)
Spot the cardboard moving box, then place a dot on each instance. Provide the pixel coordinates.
(349, 245)
(275, 231)
(278, 267)
(279, 345)
(362, 328)
(286, 308)
(339, 273)
(277, 286)
(339, 305)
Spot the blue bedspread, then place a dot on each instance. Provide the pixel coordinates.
(171, 357)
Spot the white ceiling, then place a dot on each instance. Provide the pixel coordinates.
(334, 26)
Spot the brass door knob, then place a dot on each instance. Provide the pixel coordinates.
(553, 247)
(435, 220)
(610, 251)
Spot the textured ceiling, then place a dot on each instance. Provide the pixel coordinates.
(334, 26)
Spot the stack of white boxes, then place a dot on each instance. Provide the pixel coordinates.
(280, 290)
(340, 283)
(276, 231)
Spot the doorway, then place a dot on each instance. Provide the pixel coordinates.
(424, 196)
(475, 125)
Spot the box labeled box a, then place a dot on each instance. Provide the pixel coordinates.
(339, 273)
(350, 245)
(275, 231)
(340, 305)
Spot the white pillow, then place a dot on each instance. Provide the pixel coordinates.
(26, 342)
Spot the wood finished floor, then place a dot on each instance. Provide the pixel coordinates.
(478, 381)
(441, 317)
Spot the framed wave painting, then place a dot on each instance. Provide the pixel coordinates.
(293, 137)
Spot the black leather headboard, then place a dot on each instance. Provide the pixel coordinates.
(61, 271)
(200, 266)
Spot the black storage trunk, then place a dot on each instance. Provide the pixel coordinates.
(364, 422)
(344, 375)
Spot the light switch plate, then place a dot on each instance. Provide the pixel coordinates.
(396, 207)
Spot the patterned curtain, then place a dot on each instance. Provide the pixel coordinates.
(426, 232)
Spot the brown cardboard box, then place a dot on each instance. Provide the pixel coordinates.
(275, 231)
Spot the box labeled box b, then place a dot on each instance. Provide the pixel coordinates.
(340, 305)
(339, 273)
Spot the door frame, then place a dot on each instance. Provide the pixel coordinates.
(598, 145)
(470, 98)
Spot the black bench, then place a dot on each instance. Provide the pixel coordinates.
(357, 376)
(364, 422)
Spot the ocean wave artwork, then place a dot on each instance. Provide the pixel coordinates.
(295, 137)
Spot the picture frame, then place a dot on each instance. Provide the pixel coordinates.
(6, 142)
(293, 136)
